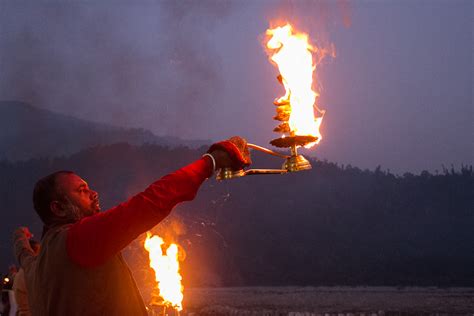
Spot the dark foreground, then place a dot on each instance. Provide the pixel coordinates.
(329, 301)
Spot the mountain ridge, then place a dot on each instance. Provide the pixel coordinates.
(29, 132)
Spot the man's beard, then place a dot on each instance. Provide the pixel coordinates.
(74, 212)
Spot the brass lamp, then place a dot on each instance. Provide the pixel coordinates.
(293, 162)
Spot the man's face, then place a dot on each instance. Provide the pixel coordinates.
(76, 191)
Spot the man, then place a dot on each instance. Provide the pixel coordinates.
(19, 286)
(79, 269)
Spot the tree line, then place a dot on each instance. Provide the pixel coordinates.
(332, 225)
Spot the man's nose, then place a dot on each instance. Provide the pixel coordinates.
(94, 195)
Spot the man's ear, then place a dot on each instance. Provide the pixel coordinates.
(57, 209)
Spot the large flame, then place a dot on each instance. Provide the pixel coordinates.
(166, 268)
(292, 53)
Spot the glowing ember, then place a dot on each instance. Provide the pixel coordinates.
(293, 55)
(166, 268)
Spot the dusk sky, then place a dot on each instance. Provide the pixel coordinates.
(399, 92)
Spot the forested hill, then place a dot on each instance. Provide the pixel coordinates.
(330, 225)
(30, 132)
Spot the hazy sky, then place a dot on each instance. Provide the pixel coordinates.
(399, 92)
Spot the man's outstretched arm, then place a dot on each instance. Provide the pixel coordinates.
(95, 239)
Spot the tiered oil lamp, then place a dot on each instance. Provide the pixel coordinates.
(293, 162)
(292, 54)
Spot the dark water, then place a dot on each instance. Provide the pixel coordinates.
(329, 301)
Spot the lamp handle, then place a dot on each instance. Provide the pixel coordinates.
(267, 151)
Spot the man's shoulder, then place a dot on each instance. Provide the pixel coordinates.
(54, 234)
(56, 229)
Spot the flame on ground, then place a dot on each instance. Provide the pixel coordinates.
(292, 53)
(166, 268)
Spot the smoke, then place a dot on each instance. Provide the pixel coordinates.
(313, 16)
(346, 12)
(151, 64)
(144, 64)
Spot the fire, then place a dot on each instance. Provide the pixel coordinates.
(166, 268)
(292, 53)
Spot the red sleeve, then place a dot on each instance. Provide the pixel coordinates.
(93, 240)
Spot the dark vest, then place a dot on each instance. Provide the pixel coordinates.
(57, 286)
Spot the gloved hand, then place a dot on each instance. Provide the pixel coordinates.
(232, 153)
